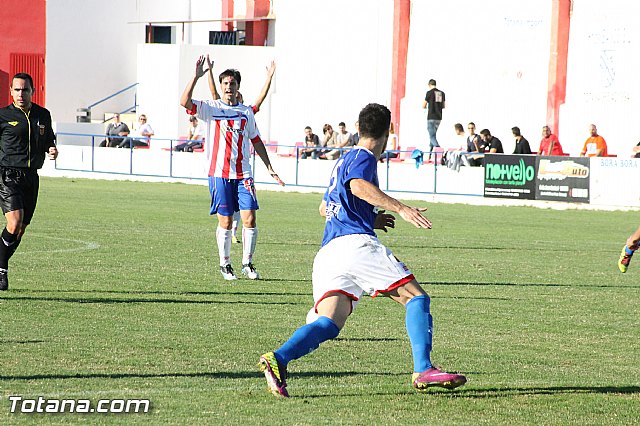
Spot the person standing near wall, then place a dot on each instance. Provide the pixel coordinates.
(26, 136)
(434, 103)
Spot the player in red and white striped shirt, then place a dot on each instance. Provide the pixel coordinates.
(255, 108)
(231, 127)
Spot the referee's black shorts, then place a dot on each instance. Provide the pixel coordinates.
(19, 191)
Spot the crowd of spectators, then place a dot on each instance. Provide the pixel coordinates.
(333, 142)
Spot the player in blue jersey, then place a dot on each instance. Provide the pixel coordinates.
(352, 261)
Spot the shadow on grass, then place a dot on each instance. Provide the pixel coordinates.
(105, 300)
(550, 390)
(481, 284)
(487, 393)
(229, 292)
(206, 375)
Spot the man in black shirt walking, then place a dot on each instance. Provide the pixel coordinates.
(434, 100)
(26, 137)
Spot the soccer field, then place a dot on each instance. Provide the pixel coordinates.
(115, 294)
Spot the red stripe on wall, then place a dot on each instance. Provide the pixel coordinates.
(401, 22)
(557, 86)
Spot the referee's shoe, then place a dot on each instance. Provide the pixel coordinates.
(4, 281)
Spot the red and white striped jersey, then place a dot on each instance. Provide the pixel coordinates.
(230, 131)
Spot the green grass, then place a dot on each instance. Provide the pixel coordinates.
(115, 293)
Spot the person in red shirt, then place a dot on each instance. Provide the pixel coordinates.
(549, 145)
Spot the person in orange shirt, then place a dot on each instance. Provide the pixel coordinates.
(595, 145)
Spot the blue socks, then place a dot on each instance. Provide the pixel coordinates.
(628, 251)
(420, 330)
(307, 339)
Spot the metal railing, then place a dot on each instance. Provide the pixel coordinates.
(167, 155)
(87, 110)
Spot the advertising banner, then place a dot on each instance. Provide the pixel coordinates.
(563, 179)
(510, 176)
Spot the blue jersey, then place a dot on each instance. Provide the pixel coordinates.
(346, 213)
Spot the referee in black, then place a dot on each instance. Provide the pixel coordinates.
(26, 137)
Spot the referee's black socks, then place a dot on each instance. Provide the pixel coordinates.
(8, 246)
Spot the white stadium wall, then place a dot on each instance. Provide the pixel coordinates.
(491, 59)
(602, 77)
(333, 58)
(92, 48)
(91, 54)
(164, 71)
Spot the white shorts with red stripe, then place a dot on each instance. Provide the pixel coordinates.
(356, 264)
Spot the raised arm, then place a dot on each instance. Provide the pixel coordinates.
(267, 85)
(370, 193)
(212, 82)
(185, 99)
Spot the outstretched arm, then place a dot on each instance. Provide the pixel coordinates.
(370, 193)
(260, 149)
(212, 82)
(267, 85)
(185, 99)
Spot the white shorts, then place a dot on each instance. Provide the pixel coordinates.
(356, 264)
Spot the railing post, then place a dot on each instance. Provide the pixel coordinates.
(388, 165)
(435, 175)
(93, 152)
(297, 162)
(130, 157)
(171, 158)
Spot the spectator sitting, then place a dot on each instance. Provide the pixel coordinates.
(329, 141)
(355, 138)
(392, 145)
(312, 142)
(475, 144)
(116, 130)
(636, 150)
(141, 134)
(460, 143)
(195, 137)
(343, 139)
(522, 145)
(595, 145)
(549, 145)
(491, 142)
